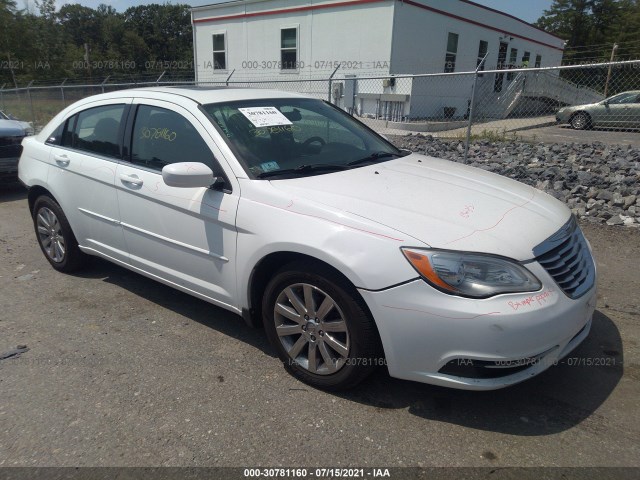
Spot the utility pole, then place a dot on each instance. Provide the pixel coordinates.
(87, 59)
(613, 54)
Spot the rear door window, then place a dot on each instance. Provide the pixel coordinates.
(99, 130)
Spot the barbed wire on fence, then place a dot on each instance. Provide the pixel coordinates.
(487, 103)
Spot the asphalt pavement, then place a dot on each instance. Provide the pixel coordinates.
(115, 369)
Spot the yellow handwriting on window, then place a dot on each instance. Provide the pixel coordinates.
(158, 134)
(265, 131)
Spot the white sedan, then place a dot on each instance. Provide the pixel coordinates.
(291, 213)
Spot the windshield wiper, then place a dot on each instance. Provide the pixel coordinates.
(304, 169)
(374, 156)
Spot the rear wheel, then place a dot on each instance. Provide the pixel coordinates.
(320, 327)
(580, 121)
(55, 236)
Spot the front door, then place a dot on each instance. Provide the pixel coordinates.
(502, 58)
(634, 113)
(185, 236)
(618, 111)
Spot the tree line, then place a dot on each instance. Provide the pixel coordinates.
(79, 42)
(592, 27)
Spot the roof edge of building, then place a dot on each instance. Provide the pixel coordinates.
(232, 3)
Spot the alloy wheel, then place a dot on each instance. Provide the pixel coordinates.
(312, 328)
(50, 235)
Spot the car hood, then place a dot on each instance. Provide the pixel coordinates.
(27, 127)
(441, 203)
(11, 128)
(578, 107)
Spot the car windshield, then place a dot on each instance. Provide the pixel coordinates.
(284, 138)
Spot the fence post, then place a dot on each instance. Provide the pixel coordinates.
(472, 107)
(2, 95)
(64, 101)
(613, 55)
(104, 81)
(33, 114)
(230, 75)
(331, 82)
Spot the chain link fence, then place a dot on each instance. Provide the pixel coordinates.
(491, 104)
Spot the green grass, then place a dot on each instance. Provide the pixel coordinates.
(41, 106)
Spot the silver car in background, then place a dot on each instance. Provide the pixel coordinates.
(620, 111)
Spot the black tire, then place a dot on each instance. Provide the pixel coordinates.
(72, 258)
(362, 340)
(581, 121)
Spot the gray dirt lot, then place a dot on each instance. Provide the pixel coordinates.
(125, 371)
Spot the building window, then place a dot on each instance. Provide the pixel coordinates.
(452, 51)
(538, 61)
(525, 59)
(483, 48)
(219, 51)
(513, 58)
(289, 48)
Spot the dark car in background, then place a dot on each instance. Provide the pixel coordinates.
(11, 134)
(620, 111)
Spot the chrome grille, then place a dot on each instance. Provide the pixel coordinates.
(10, 151)
(10, 141)
(566, 257)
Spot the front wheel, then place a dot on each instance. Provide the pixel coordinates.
(320, 327)
(580, 121)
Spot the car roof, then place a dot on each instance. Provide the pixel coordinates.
(202, 95)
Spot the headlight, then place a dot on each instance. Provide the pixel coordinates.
(471, 274)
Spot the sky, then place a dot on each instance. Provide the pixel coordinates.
(527, 10)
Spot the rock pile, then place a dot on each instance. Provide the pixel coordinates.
(599, 183)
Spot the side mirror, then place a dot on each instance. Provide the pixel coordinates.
(606, 103)
(188, 175)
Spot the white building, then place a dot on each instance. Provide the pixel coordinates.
(304, 39)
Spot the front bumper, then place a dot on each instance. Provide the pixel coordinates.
(563, 117)
(424, 332)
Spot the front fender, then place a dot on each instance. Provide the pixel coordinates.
(367, 253)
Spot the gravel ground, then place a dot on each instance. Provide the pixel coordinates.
(123, 371)
(600, 183)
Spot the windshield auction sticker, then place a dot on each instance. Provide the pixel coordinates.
(265, 116)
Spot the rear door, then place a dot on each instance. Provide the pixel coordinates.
(84, 160)
(186, 236)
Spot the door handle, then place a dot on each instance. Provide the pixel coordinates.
(132, 179)
(61, 159)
